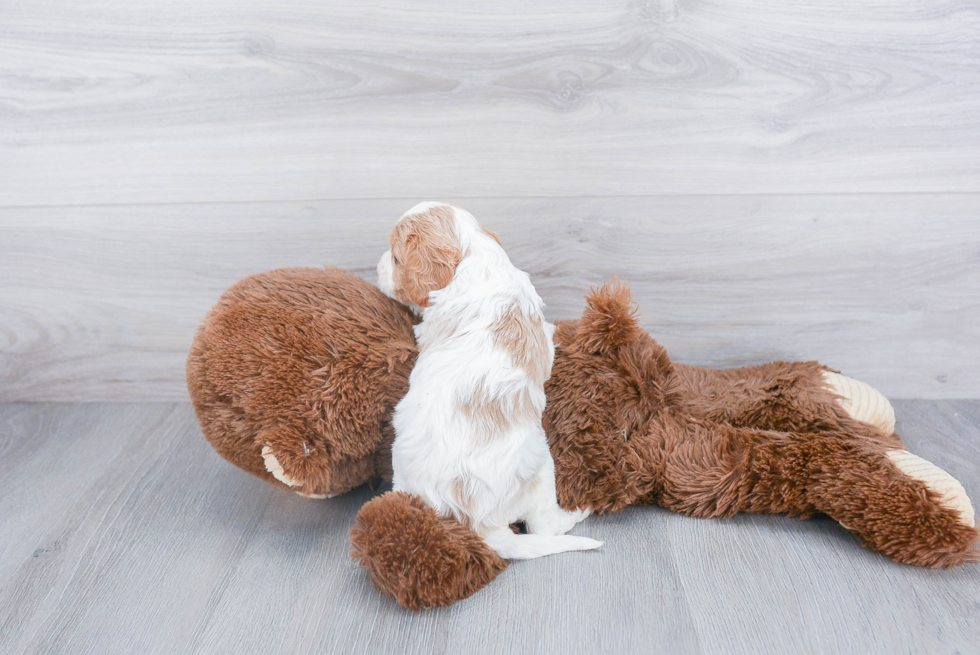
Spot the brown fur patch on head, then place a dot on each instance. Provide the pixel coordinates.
(418, 558)
(525, 339)
(609, 319)
(425, 253)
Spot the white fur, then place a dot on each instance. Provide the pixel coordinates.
(437, 448)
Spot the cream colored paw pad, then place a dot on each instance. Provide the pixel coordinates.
(951, 492)
(314, 496)
(862, 402)
(273, 466)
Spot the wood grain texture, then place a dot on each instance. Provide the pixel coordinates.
(144, 539)
(108, 102)
(101, 303)
(138, 538)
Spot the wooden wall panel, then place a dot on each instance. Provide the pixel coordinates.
(141, 101)
(102, 302)
(777, 180)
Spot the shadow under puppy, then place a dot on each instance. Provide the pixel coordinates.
(468, 434)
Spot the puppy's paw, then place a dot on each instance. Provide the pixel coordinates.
(862, 402)
(570, 519)
(952, 495)
(558, 522)
(273, 466)
(580, 514)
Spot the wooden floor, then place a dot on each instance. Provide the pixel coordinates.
(121, 531)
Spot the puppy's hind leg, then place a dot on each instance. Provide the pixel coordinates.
(544, 515)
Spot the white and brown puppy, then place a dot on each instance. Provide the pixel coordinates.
(468, 435)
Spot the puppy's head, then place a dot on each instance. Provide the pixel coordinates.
(425, 250)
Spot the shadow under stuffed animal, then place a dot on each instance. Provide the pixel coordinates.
(295, 374)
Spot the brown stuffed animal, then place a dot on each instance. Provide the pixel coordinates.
(295, 374)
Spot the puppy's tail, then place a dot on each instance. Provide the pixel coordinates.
(528, 546)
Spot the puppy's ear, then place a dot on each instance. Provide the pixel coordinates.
(428, 253)
(492, 235)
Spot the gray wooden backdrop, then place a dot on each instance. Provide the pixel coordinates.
(775, 179)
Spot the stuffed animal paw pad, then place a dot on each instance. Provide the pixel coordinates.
(862, 402)
(275, 468)
(951, 492)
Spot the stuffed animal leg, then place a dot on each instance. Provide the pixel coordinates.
(894, 502)
(787, 396)
(638, 440)
(831, 410)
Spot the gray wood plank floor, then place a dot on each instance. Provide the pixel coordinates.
(122, 532)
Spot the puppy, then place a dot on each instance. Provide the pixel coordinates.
(468, 435)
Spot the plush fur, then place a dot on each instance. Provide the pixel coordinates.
(320, 358)
(266, 370)
(468, 435)
(772, 440)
